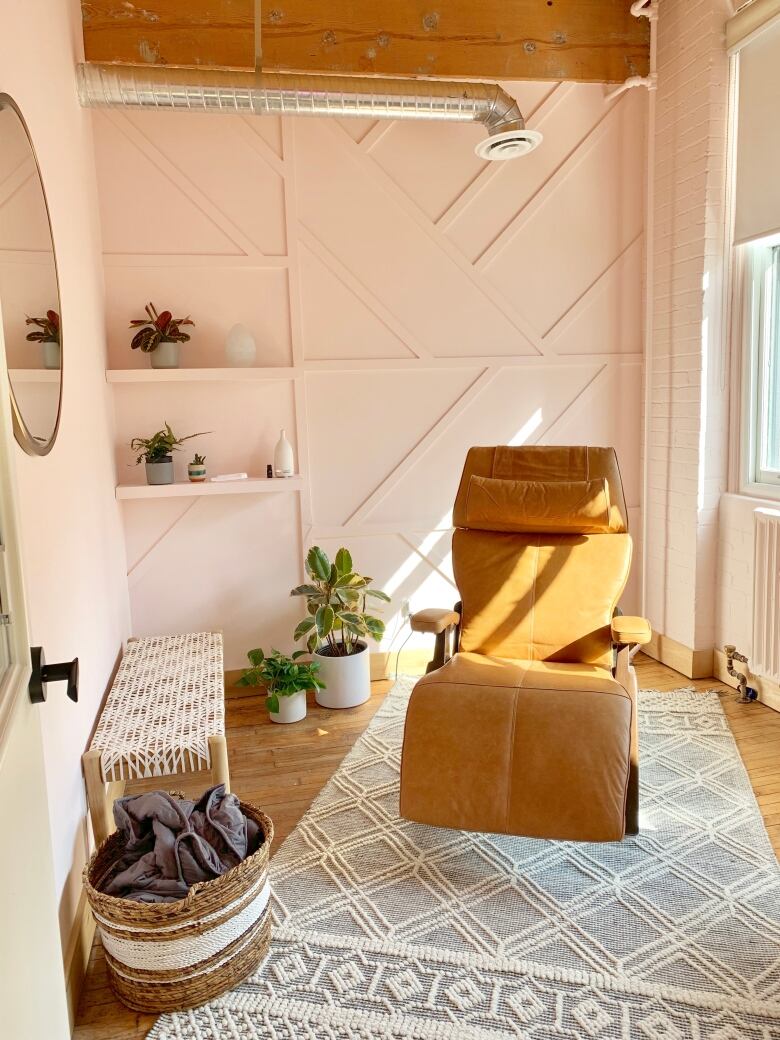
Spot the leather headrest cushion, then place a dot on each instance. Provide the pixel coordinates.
(528, 506)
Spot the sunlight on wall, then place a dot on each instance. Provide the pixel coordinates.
(437, 587)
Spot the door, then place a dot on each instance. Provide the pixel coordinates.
(32, 984)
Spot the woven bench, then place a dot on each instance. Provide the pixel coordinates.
(164, 714)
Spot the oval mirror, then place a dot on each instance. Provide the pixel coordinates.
(29, 292)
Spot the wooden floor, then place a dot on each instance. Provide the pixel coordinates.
(282, 769)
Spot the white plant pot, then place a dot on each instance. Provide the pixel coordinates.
(165, 355)
(291, 709)
(52, 355)
(347, 679)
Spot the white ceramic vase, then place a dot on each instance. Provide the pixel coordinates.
(291, 709)
(240, 347)
(284, 463)
(347, 679)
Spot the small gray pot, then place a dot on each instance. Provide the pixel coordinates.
(160, 472)
(165, 355)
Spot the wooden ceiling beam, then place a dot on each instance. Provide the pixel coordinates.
(590, 40)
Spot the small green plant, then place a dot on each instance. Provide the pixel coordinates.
(282, 676)
(48, 330)
(157, 329)
(336, 602)
(160, 444)
(198, 460)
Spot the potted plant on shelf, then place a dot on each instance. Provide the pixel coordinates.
(160, 336)
(338, 626)
(157, 452)
(48, 335)
(286, 681)
(196, 470)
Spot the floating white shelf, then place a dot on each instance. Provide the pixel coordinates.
(187, 489)
(34, 375)
(200, 375)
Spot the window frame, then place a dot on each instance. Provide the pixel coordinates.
(760, 298)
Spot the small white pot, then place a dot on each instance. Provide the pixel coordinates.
(165, 355)
(347, 679)
(291, 709)
(52, 355)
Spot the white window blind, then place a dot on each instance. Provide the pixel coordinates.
(758, 137)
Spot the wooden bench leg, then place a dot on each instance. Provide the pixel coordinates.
(220, 773)
(96, 796)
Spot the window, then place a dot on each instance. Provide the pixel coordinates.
(762, 382)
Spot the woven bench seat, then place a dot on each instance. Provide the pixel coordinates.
(164, 714)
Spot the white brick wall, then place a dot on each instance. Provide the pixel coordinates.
(686, 449)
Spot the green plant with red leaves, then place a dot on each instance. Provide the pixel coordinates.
(157, 329)
(48, 330)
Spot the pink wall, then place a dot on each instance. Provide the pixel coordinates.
(73, 550)
(426, 301)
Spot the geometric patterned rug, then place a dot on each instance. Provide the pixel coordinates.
(387, 929)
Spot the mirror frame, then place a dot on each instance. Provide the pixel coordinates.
(24, 437)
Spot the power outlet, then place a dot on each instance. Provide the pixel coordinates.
(405, 609)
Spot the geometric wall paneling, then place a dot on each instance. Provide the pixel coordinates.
(23, 225)
(605, 317)
(245, 418)
(567, 117)
(408, 402)
(216, 298)
(228, 564)
(270, 129)
(590, 210)
(340, 320)
(168, 221)
(515, 405)
(239, 174)
(428, 161)
(374, 230)
(429, 302)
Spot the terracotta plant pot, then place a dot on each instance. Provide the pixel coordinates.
(196, 472)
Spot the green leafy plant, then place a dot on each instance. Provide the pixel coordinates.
(157, 329)
(336, 602)
(160, 445)
(282, 676)
(48, 330)
(198, 460)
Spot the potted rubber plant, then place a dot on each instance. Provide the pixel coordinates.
(159, 335)
(338, 626)
(286, 680)
(48, 335)
(157, 452)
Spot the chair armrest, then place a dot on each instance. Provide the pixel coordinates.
(631, 630)
(433, 620)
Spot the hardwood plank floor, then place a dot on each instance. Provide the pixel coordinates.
(283, 768)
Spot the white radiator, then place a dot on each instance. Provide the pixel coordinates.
(766, 595)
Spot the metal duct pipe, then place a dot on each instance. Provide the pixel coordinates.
(130, 86)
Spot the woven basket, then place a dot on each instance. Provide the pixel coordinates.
(173, 956)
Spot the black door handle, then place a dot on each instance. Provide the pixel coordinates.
(42, 673)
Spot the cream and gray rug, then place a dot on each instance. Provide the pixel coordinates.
(389, 930)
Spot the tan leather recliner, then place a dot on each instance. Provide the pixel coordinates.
(531, 727)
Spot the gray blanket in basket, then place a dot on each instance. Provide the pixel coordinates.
(171, 843)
